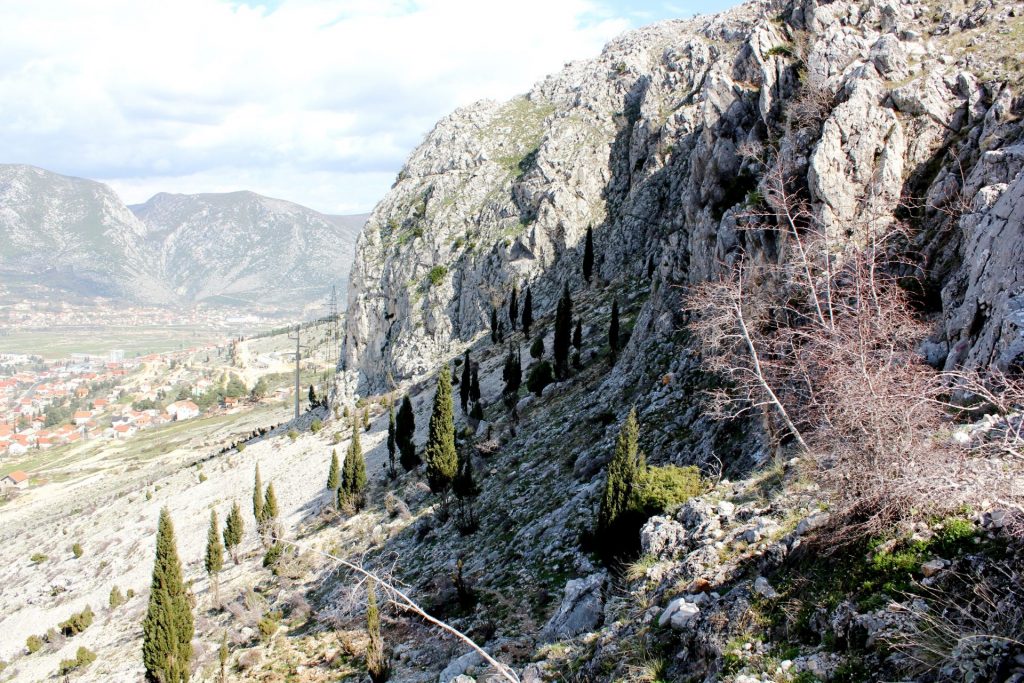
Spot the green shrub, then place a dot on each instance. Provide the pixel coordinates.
(38, 558)
(780, 51)
(116, 598)
(34, 644)
(76, 550)
(129, 594)
(338, 436)
(268, 625)
(77, 623)
(540, 376)
(316, 425)
(202, 477)
(664, 488)
(273, 555)
(292, 434)
(437, 275)
(83, 658)
(955, 534)
(240, 446)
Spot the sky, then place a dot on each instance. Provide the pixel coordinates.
(314, 101)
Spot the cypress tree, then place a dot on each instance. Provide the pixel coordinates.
(464, 485)
(513, 376)
(222, 656)
(366, 419)
(513, 307)
(270, 510)
(442, 460)
(234, 528)
(214, 560)
(312, 397)
(465, 488)
(405, 431)
(527, 318)
(466, 384)
(577, 335)
(168, 627)
(563, 334)
(588, 255)
(257, 498)
(624, 470)
(613, 332)
(537, 347)
(474, 389)
(353, 474)
(376, 661)
(334, 476)
(392, 444)
(494, 325)
(477, 413)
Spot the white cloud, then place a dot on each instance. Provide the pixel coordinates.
(318, 102)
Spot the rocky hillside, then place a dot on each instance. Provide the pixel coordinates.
(241, 247)
(656, 144)
(76, 235)
(742, 565)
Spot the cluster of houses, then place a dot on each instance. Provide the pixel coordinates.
(99, 383)
(124, 422)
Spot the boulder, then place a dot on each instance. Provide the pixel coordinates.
(662, 536)
(581, 609)
(679, 613)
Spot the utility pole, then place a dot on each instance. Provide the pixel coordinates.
(298, 360)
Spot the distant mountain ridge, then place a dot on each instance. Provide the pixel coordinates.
(75, 235)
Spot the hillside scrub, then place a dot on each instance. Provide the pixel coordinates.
(824, 345)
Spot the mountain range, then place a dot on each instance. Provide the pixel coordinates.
(75, 237)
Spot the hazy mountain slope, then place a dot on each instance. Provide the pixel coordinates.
(74, 234)
(241, 246)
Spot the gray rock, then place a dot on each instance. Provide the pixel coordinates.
(679, 614)
(662, 537)
(456, 669)
(581, 609)
(764, 589)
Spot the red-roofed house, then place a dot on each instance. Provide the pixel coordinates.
(16, 479)
(183, 410)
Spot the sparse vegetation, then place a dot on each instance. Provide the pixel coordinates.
(83, 658)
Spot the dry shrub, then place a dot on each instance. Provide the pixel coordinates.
(821, 341)
(971, 629)
(396, 507)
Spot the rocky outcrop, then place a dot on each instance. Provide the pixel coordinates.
(658, 144)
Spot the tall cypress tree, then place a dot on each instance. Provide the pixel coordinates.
(334, 475)
(405, 431)
(513, 307)
(494, 325)
(376, 661)
(392, 444)
(353, 473)
(270, 511)
(214, 560)
(613, 332)
(467, 382)
(442, 460)
(474, 387)
(588, 255)
(234, 528)
(563, 334)
(527, 318)
(312, 397)
(257, 498)
(222, 655)
(168, 627)
(513, 376)
(626, 467)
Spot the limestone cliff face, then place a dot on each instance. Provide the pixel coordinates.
(875, 105)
